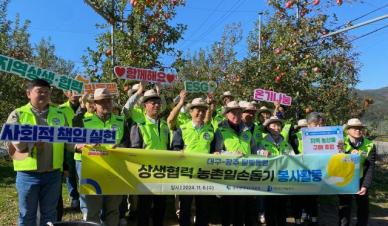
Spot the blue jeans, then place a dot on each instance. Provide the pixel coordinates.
(38, 188)
(71, 179)
(82, 201)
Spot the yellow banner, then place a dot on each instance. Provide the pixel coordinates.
(138, 171)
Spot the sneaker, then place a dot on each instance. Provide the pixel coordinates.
(262, 219)
(75, 204)
(123, 222)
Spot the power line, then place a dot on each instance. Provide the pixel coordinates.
(369, 33)
(362, 16)
(208, 17)
(237, 4)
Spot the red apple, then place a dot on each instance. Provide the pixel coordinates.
(133, 3)
(108, 52)
(277, 79)
(316, 69)
(339, 2)
(282, 74)
(316, 2)
(278, 50)
(289, 4)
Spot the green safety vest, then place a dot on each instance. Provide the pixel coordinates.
(137, 114)
(115, 122)
(282, 149)
(258, 133)
(364, 151)
(234, 142)
(77, 156)
(154, 136)
(300, 141)
(197, 141)
(286, 131)
(217, 118)
(183, 118)
(68, 111)
(55, 118)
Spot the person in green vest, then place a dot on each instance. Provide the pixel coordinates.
(133, 107)
(86, 109)
(233, 138)
(151, 134)
(297, 201)
(248, 118)
(195, 136)
(273, 144)
(263, 114)
(309, 203)
(226, 97)
(69, 108)
(356, 143)
(38, 165)
(103, 118)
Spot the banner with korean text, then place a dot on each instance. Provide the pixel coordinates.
(137, 171)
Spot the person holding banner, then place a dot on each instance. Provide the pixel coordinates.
(104, 119)
(195, 136)
(38, 165)
(310, 203)
(297, 201)
(69, 108)
(233, 138)
(86, 109)
(356, 143)
(152, 133)
(274, 144)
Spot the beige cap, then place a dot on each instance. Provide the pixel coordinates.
(226, 94)
(302, 123)
(197, 102)
(230, 106)
(273, 119)
(102, 93)
(354, 122)
(149, 94)
(247, 106)
(264, 109)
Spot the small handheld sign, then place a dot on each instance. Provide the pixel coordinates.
(200, 87)
(322, 140)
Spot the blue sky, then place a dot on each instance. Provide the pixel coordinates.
(71, 27)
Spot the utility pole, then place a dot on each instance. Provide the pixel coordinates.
(356, 26)
(260, 18)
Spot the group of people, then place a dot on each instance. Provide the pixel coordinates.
(239, 128)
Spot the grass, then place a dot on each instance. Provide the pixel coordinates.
(9, 207)
(8, 198)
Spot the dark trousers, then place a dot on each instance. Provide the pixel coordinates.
(275, 210)
(239, 210)
(151, 205)
(345, 209)
(71, 179)
(201, 211)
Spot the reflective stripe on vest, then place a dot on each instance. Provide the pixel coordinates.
(114, 122)
(364, 151)
(234, 142)
(197, 141)
(155, 136)
(56, 118)
(283, 148)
